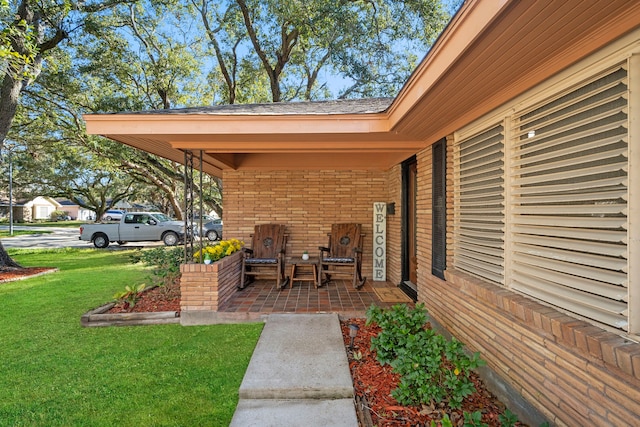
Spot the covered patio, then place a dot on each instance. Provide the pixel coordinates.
(338, 296)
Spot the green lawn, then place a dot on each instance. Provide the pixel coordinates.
(53, 372)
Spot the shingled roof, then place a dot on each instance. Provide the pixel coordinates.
(342, 106)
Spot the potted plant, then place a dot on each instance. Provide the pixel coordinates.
(305, 255)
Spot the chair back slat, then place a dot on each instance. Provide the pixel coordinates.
(268, 240)
(344, 238)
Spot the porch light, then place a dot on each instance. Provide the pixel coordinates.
(353, 332)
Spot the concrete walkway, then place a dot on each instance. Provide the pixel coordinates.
(298, 375)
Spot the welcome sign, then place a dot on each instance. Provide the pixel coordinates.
(380, 241)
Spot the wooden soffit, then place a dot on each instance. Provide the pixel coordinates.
(492, 51)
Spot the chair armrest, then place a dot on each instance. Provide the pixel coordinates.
(323, 249)
(247, 250)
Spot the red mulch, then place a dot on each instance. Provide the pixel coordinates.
(8, 274)
(375, 382)
(160, 298)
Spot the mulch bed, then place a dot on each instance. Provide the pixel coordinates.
(9, 274)
(373, 384)
(160, 298)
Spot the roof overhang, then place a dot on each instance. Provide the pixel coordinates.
(492, 51)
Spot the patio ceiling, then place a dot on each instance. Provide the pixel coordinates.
(490, 52)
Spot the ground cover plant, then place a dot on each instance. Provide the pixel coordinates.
(405, 374)
(56, 373)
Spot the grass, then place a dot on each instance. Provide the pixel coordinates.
(56, 373)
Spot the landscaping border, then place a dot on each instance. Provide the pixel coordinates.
(100, 317)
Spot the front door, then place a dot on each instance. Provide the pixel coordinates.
(409, 235)
(411, 222)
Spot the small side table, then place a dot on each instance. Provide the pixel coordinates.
(304, 269)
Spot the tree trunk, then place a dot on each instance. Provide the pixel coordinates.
(9, 93)
(5, 259)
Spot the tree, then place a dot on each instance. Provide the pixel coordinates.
(29, 30)
(289, 45)
(110, 77)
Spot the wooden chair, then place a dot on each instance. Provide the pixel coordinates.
(265, 258)
(343, 256)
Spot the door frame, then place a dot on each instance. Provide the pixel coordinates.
(408, 214)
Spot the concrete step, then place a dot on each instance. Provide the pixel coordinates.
(295, 413)
(298, 375)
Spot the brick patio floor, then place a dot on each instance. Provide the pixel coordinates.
(337, 296)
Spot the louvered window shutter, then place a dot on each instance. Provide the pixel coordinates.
(569, 194)
(439, 217)
(479, 215)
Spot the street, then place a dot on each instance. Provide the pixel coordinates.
(57, 237)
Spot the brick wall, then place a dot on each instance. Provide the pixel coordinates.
(207, 287)
(308, 202)
(574, 373)
(394, 226)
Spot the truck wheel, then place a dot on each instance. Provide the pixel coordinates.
(170, 239)
(100, 241)
(212, 235)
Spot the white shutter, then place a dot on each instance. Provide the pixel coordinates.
(479, 205)
(569, 161)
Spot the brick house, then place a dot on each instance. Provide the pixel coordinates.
(511, 158)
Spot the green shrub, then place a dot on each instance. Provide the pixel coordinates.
(130, 295)
(57, 215)
(397, 323)
(165, 262)
(431, 368)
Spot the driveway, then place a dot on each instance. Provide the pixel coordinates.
(57, 237)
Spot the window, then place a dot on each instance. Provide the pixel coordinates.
(439, 207)
(569, 181)
(479, 201)
(565, 194)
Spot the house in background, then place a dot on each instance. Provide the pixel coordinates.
(39, 208)
(509, 164)
(75, 211)
(18, 210)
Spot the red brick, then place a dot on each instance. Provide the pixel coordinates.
(609, 347)
(581, 334)
(620, 419)
(571, 404)
(593, 342)
(539, 313)
(625, 394)
(567, 380)
(624, 357)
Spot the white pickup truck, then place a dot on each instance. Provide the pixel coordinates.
(135, 227)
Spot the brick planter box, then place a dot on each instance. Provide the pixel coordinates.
(205, 288)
